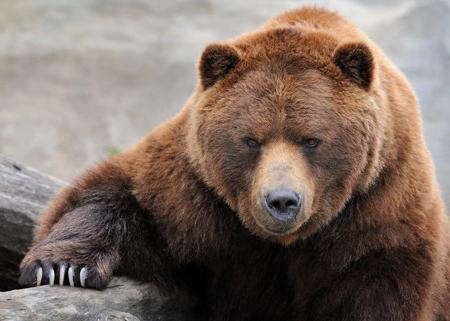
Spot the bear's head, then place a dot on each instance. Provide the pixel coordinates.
(285, 127)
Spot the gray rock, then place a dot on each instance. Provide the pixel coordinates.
(23, 194)
(115, 316)
(122, 300)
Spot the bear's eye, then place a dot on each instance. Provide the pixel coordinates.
(311, 143)
(252, 143)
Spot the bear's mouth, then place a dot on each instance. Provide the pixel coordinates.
(279, 227)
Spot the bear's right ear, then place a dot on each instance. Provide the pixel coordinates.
(216, 62)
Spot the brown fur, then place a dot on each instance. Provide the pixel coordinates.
(183, 208)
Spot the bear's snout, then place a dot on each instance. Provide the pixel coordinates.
(282, 190)
(283, 205)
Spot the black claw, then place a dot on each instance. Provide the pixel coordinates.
(65, 271)
(76, 275)
(46, 267)
(28, 275)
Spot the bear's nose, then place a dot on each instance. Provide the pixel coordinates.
(283, 204)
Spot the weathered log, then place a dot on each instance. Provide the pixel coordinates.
(122, 300)
(23, 194)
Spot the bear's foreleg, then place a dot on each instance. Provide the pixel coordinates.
(103, 231)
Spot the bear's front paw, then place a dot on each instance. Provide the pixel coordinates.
(95, 272)
(62, 273)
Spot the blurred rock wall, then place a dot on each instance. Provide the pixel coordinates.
(82, 79)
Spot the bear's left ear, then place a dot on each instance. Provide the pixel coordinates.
(356, 62)
(216, 62)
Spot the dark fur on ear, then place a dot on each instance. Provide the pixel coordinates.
(356, 62)
(216, 62)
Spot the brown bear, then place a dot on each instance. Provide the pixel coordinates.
(295, 184)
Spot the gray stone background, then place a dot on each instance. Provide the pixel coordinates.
(81, 79)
